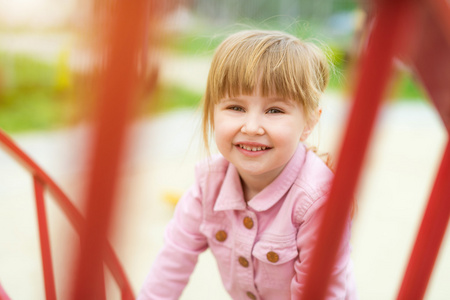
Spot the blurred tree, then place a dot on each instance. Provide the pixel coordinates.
(226, 12)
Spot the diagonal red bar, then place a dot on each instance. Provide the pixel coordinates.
(47, 265)
(430, 235)
(431, 60)
(115, 105)
(441, 11)
(30, 165)
(3, 295)
(375, 71)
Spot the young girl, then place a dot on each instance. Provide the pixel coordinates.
(258, 205)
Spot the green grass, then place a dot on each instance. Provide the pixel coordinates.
(405, 88)
(402, 87)
(29, 95)
(33, 96)
(38, 96)
(194, 43)
(169, 97)
(31, 110)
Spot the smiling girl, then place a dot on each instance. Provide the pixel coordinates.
(258, 205)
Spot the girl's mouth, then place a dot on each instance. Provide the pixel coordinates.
(253, 148)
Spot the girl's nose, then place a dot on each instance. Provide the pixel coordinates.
(252, 126)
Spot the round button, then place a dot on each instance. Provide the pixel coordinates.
(243, 262)
(250, 295)
(221, 235)
(272, 257)
(248, 222)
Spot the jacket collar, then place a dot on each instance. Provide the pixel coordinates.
(231, 196)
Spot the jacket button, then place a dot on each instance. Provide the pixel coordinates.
(248, 222)
(272, 257)
(243, 261)
(221, 235)
(250, 295)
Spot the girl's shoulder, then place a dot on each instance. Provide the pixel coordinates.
(311, 187)
(313, 182)
(315, 177)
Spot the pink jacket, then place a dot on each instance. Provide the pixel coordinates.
(262, 248)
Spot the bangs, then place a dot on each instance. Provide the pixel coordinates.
(269, 65)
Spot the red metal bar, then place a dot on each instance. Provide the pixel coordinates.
(30, 165)
(375, 71)
(47, 265)
(441, 11)
(3, 295)
(115, 107)
(431, 60)
(118, 273)
(69, 210)
(429, 237)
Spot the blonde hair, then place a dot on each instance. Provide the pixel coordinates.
(274, 62)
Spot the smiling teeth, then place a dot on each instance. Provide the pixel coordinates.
(252, 148)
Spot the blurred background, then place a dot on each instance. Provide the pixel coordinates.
(50, 61)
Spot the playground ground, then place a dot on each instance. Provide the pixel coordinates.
(396, 182)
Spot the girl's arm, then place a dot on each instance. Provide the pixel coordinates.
(341, 284)
(174, 264)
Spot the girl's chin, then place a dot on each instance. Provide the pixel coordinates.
(256, 171)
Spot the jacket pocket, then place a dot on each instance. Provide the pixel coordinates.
(275, 253)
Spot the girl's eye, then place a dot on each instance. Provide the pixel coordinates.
(274, 111)
(236, 108)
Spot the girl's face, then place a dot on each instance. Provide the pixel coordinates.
(259, 135)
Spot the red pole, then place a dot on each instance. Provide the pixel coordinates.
(441, 10)
(47, 265)
(375, 72)
(3, 295)
(114, 109)
(430, 235)
(432, 61)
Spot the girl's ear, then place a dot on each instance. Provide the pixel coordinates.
(311, 124)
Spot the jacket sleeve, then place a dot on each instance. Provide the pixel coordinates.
(339, 285)
(174, 264)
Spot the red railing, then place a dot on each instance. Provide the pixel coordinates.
(417, 31)
(43, 182)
